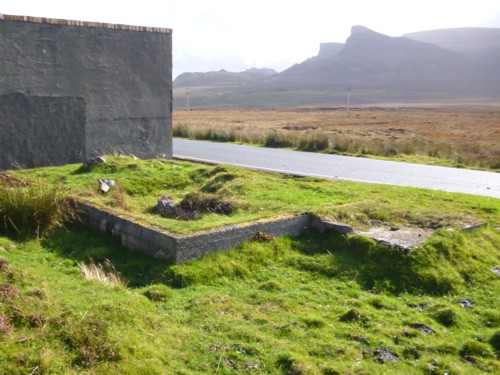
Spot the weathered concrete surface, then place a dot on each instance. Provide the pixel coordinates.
(122, 74)
(27, 130)
(324, 226)
(406, 238)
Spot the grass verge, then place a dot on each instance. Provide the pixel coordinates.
(315, 304)
(307, 305)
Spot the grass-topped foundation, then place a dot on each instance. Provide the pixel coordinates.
(217, 207)
(174, 248)
(231, 196)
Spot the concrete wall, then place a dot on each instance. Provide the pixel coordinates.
(121, 75)
(198, 244)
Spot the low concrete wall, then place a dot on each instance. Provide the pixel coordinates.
(161, 244)
(194, 246)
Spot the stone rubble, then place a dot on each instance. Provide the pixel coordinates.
(106, 184)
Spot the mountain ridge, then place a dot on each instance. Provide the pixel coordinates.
(409, 68)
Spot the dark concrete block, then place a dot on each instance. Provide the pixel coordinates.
(41, 130)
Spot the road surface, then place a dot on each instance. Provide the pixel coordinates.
(337, 167)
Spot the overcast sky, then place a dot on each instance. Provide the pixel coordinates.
(236, 35)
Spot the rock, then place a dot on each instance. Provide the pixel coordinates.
(467, 303)
(496, 270)
(469, 359)
(106, 184)
(94, 161)
(423, 328)
(384, 355)
(166, 207)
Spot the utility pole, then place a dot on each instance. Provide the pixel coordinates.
(348, 101)
(188, 104)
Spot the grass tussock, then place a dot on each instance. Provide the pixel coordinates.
(105, 273)
(32, 209)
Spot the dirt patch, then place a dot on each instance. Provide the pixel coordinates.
(193, 206)
(203, 202)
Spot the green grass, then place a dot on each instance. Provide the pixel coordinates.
(315, 304)
(258, 195)
(308, 305)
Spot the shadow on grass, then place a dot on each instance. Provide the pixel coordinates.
(80, 243)
(375, 267)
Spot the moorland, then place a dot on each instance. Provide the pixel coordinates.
(459, 136)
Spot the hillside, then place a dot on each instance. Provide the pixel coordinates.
(443, 66)
(222, 77)
(468, 40)
(481, 44)
(370, 59)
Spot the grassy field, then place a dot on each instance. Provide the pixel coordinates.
(256, 195)
(308, 305)
(453, 136)
(73, 301)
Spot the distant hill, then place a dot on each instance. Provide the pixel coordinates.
(468, 40)
(371, 59)
(480, 43)
(222, 77)
(329, 50)
(453, 65)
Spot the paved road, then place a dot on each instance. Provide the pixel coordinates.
(342, 167)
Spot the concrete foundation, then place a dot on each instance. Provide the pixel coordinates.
(160, 243)
(173, 248)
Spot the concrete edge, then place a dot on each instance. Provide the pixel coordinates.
(159, 243)
(98, 25)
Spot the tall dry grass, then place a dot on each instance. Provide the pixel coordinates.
(105, 273)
